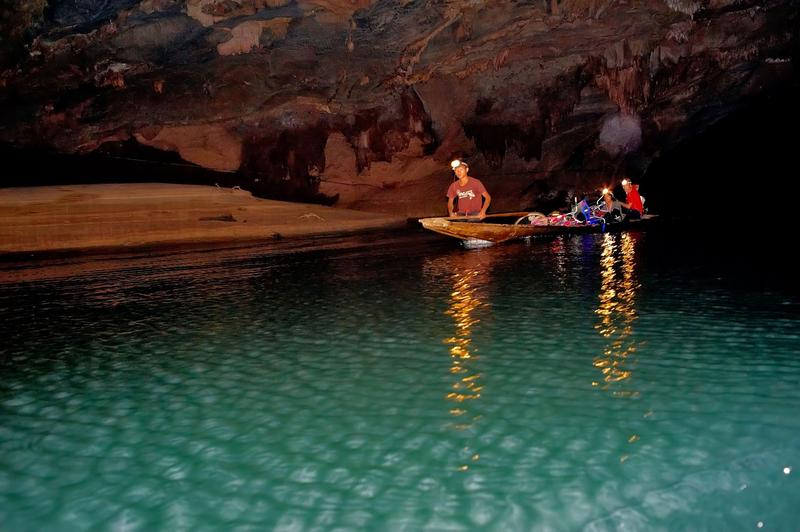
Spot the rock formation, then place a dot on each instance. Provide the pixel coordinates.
(362, 103)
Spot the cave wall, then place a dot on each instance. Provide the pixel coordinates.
(362, 103)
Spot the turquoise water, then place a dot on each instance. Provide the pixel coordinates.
(600, 382)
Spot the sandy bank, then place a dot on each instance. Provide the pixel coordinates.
(86, 218)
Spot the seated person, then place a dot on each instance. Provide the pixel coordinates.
(610, 207)
(632, 207)
(472, 197)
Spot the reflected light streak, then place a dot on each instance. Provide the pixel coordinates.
(617, 312)
(464, 303)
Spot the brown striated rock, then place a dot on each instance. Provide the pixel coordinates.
(364, 102)
(211, 146)
(210, 12)
(333, 11)
(248, 35)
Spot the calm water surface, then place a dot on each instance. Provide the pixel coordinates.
(601, 382)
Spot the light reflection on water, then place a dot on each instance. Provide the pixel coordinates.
(617, 313)
(564, 384)
(617, 310)
(471, 273)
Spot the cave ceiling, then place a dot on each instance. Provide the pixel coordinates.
(354, 99)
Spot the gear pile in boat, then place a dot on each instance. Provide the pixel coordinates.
(582, 214)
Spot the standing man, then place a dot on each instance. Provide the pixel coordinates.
(473, 199)
(632, 207)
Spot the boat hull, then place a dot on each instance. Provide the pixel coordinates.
(492, 229)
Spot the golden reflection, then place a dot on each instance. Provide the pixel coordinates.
(468, 271)
(617, 313)
(464, 302)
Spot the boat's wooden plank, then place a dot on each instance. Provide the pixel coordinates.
(501, 232)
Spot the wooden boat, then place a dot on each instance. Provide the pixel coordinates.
(496, 228)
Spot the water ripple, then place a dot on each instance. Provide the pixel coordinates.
(567, 384)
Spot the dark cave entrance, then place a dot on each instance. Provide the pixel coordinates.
(741, 171)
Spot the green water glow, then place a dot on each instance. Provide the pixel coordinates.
(581, 383)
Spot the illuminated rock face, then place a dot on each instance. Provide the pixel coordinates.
(364, 102)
